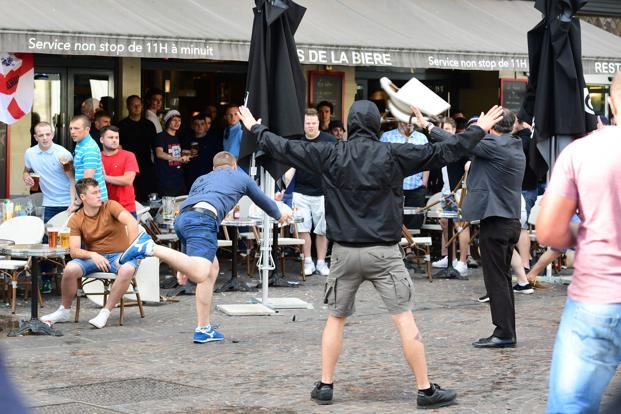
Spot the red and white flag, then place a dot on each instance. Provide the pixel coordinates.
(16, 85)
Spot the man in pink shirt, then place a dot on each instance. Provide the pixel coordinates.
(120, 168)
(587, 178)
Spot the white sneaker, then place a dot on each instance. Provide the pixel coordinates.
(101, 319)
(441, 264)
(309, 268)
(59, 316)
(323, 269)
(461, 267)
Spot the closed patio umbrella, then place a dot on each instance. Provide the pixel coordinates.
(275, 81)
(557, 101)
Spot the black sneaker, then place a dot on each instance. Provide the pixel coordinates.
(322, 394)
(526, 289)
(484, 298)
(439, 398)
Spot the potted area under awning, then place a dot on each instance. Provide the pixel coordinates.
(442, 34)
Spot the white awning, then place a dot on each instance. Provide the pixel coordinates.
(444, 34)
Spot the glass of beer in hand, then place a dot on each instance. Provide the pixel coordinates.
(52, 237)
(194, 148)
(35, 178)
(66, 162)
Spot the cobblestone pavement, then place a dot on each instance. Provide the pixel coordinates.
(269, 364)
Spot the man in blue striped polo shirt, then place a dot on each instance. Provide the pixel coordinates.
(87, 156)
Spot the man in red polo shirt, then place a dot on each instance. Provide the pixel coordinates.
(120, 167)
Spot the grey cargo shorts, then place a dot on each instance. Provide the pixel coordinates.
(381, 265)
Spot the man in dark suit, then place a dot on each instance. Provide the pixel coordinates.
(494, 188)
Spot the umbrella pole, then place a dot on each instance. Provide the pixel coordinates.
(267, 185)
(552, 162)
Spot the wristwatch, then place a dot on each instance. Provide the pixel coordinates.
(429, 126)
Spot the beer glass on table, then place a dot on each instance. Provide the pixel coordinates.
(52, 237)
(64, 234)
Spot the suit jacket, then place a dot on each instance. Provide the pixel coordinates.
(495, 179)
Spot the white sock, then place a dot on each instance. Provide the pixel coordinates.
(206, 327)
(522, 283)
(308, 260)
(105, 311)
(321, 263)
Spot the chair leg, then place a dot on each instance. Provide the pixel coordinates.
(122, 310)
(140, 307)
(302, 267)
(41, 303)
(281, 259)
(428, 262)
(77, 302)
(13, 292)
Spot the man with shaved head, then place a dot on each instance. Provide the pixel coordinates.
(587, 352)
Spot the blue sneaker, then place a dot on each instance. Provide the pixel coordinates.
(207, 334)
(141, 247)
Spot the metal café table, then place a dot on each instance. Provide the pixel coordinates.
(36, 252)
(450, 272)
(235, 283)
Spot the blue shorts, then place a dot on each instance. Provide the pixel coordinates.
(199, 234)
(88, 265)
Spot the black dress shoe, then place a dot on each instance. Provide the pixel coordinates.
(494, 342)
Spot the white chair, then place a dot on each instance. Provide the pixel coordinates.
(140, 209)
(245, 204)
(59, 220)
(97, 285)
(144, 286)
(420, 249)
(21, 230)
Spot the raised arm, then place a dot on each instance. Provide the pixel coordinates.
(298, 154)
(417, 158)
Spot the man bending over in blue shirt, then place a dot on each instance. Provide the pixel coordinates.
(212, 196)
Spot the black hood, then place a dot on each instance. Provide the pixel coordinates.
(363, 121)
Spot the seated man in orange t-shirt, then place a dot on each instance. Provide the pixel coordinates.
(105, 229)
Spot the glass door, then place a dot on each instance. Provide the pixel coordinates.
(91, 90)
(48, 104)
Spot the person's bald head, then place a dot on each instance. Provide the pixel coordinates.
(615, 95)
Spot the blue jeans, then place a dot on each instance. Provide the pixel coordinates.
(586, 355)
(530, 196)
(88, 265)
(49, 212)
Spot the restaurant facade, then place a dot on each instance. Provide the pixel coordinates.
(472, 53)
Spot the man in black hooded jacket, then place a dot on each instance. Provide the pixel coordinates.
(362, 182)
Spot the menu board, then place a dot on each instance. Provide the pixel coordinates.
(512, 93)
(327, 86)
